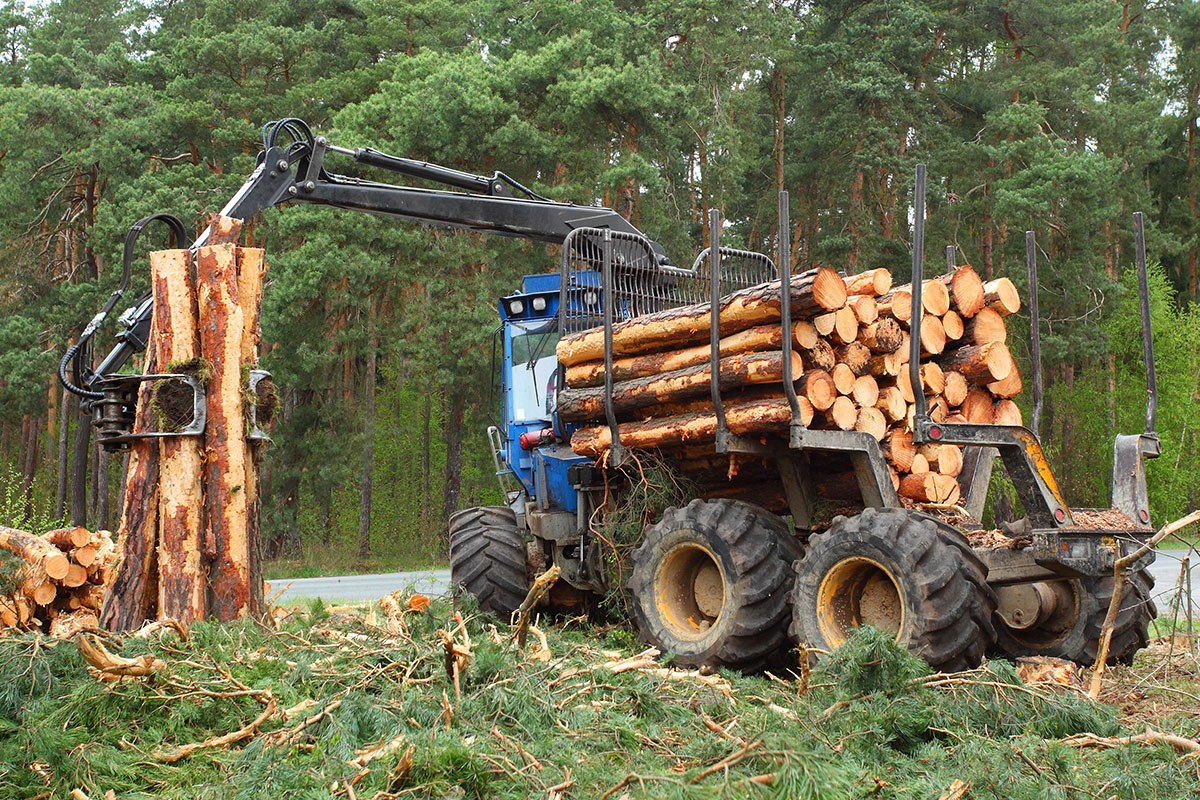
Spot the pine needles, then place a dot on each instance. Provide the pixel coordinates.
(363, 713)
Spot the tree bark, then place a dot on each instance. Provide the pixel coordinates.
(363, 549)
(181, 577)
(69, 408)
(251, 269)
(221, 326)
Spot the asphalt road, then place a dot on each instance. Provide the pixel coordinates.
(357, 588)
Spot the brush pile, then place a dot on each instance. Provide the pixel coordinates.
(851, 348)
(57, 581)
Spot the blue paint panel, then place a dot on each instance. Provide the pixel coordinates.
(551, 463)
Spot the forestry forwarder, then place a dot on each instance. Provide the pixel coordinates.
(718, 582)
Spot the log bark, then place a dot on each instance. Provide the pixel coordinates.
(39, 554)
(744, 419)
(760, 338)
(966, 290)
(929, 487)
(1001, 296)
(856, 356)
(131, 586)
(886, 365)
(811, 293)
(883, 336)
(252, 266)
(181, 579)
(577, 405)
(985, 327)
(980, 364)
(221, 327)
(819, 356)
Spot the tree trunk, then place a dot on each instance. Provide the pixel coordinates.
(225, 504)
(251, 267)
(69, 408)
(363, 549)
(454, 421)
(181, 577)
(80, 453)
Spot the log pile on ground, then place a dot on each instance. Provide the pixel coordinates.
(57, 585)
(851, 348)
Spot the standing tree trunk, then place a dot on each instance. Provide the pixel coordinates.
(454, 420)
(368, 461)
(69, 407)
(221, 325)
(80, 453)
(251, 267)
(102, 459)
(181, 579)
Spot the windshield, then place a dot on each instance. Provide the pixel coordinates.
(533, 365)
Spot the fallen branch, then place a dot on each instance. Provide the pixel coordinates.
(222, 741)
(540, 586)
(1119, 569)
(728, 761)
(1151, 736)
(114, 667)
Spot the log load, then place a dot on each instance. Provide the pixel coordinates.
(59, 580)
(578, 405)
(850, 373)
(811, 293)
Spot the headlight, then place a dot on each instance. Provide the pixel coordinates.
(516, 307)
(539, 304)
(591, 297)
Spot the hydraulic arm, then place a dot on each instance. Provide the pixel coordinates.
(297, 173)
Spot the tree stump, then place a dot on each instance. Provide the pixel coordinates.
(189, 535)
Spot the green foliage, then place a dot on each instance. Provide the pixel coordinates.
(1061, 117)
(873, 721)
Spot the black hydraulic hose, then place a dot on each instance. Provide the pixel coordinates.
(87, 394)
(178, 235)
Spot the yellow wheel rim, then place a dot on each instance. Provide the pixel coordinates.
(689, 590)
(858, 591)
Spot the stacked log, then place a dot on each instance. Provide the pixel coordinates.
(851, 347)
(58, 587)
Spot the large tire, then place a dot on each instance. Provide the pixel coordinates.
(487, 558)
(904, 572)
(1074, 632)
(710, 584)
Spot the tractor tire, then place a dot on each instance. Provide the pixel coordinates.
(710, 584)
(903, 572)
(487, 558)
(1074, 632)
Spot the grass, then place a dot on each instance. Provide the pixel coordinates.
(867, 723)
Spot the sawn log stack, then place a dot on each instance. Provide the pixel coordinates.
(850, 338)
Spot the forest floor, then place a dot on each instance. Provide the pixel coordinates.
(353, 702)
